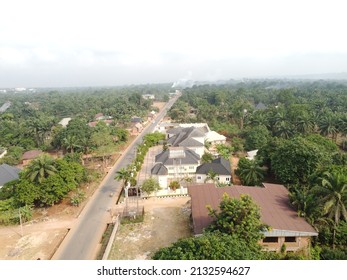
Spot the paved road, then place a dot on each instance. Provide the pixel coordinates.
(82, 240)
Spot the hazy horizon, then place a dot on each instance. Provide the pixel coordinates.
(112, 43)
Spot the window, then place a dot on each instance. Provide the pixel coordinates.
(270, 240)
(191, 167)
(290, 239)
(199, 177)
(170, 168)
(227, 179)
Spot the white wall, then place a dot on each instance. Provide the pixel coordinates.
(225, 179)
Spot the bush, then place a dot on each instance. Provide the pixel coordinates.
(78, 197)
(174, 185)
(333, 254)
(213, 246)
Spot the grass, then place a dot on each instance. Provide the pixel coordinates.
(104, 240)
(132, 220)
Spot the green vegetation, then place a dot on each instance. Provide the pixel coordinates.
(174, 185)
(237, 216)
(250, 172)
(300, 133)
(32, 122)
(224, 239)
(150, 186)
(211, 246)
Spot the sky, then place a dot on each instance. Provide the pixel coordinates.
(63, 43)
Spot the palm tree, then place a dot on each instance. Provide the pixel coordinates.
(328, 126)
(70, 142)
(207, 144)
(333, 192)
(123, 175)
(259, 118)
(342, 124)
(303, 200)
(211, 176)
(40, 168)
(305, 124)
(85, 144)
(283, 129)
(275, 120)
(251, 173)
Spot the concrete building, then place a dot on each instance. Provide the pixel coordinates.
(287, 228)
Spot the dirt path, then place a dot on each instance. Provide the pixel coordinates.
(234, 163)
(166, 221)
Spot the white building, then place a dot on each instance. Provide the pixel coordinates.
(220, 166)
(65, 121)
(251, 154)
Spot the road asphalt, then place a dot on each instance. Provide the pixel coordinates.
(82, 241)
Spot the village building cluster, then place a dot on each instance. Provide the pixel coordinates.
(181, 161)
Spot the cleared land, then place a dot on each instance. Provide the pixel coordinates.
(166, 220)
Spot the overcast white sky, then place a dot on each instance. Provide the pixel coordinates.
(110, 42)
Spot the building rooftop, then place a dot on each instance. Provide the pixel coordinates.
(31, 154)
(273, 200)
(8, 173)
(260, 106)
(65, 121)
(184, 156)
(159, 169)
(184, 137)
(215, 136)
(220, 166)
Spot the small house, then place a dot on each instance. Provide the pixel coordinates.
(287, 229)
(8, 173)
(30, 155)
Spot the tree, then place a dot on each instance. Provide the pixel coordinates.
(257, 137)
(328, 125)
(211, 176)
(124, 175)
(332, 190)
(296, 159)
(152, 139)
(250, 172)
(150, 185)
(237, 216)
(304, 201)
(26, 192)
(206, 157)
(304, 124)
(53, 188)
(174, 185)
(70, 142)
(224, 151)
(207, 144)
(40, 168)
(211, 246)
(283, 129)
(122, 134)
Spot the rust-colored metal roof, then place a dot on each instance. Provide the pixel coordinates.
(273, 200)
(31, 154)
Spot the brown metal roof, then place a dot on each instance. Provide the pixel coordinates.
(273, 200)
(31, 154)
